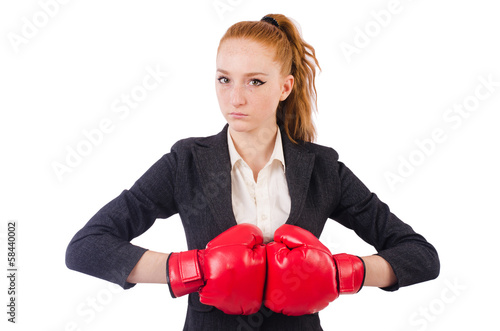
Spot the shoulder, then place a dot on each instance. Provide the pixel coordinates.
(321, 153)
(326, 159)
(187, 145)
(321, 150)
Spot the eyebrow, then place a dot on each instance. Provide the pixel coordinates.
(247, 74)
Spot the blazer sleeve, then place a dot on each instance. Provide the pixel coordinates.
(102, 247)
(412, 258)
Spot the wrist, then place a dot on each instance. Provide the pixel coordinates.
(351, 273)
(184, 273)
(379, 272)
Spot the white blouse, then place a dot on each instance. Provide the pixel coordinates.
(265, 203)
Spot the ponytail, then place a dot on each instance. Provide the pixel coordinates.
(297, 58)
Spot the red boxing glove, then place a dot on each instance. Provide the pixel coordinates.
(302, 275)
(229, 273)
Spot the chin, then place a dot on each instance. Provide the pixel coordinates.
(239, 125)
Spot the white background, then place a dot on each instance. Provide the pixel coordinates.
(64, 77)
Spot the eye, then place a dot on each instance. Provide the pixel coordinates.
(256, 82)
(223, 80)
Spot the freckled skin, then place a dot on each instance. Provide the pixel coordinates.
(249, 85)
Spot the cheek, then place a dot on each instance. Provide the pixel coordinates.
(265, 107)
(221, 94)
(271, 98)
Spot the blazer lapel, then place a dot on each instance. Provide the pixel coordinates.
(214, 165)
(299, 163)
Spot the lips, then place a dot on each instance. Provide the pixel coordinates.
(237, 115)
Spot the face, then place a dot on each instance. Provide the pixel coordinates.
(249, 85)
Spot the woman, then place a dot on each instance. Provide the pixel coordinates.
(235, 191)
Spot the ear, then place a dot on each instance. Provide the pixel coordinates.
(287, 87)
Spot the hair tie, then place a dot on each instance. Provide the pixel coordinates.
(270, 20)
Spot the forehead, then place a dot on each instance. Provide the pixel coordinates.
(244, 55)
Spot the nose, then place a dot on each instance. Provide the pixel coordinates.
(237, 96)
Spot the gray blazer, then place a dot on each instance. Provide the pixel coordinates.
(194, 181)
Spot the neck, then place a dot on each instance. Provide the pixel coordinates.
(255, 147)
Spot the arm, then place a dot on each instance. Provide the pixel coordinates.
(228, 274)
(378, 272)
(409, 255)
(150, 269)
(102, 247)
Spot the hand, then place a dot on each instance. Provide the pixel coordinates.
(303, 277)
(229, 273)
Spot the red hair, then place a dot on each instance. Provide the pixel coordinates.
(297, 58)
